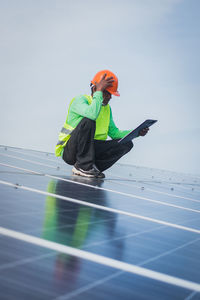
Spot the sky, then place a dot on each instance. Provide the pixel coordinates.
(51, 49)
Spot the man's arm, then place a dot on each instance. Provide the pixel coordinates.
(91, 111)
(113, 131)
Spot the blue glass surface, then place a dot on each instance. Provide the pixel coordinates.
(30, 271)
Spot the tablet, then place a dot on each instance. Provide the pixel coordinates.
(134, 133)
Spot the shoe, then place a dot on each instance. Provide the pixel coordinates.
(99, 173)
(92, 173)
(78, 171)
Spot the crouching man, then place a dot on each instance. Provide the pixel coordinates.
(83, 139)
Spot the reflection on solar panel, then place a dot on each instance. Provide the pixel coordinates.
(133, 235)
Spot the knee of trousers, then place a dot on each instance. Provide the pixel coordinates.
(128, 146)
(88, 122)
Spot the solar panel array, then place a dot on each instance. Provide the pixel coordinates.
(133, 235)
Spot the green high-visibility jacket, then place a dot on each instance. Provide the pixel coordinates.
(91, 108)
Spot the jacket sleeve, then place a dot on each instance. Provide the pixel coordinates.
(113, 131)
(91, 111)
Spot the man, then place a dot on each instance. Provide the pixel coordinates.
(83, 138)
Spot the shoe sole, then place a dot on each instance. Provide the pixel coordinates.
(100, 177)
(77, 172)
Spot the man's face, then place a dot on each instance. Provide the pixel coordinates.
(106, 97)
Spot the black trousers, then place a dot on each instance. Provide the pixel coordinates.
(85, 151)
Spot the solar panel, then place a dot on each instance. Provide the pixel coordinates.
(133, 235)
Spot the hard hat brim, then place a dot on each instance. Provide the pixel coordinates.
(115, 93)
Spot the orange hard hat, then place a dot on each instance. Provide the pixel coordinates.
(111, 89)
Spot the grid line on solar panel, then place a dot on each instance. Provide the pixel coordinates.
(106, 279)
(89, 286)
(186, 284)
(30, 161)
(101, 207)
(56, 160)
(24, 261)
(151, 190)
(111, 190)
(119, 183)
(191, 296)
(151, 181)
(118, 164)
(111, 239)
(24, 151)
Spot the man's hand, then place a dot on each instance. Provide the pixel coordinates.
(143, 132)
(103, 83)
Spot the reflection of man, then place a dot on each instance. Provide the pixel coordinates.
(68, 223)
(77, 226)
(65, 223)
(82, 140)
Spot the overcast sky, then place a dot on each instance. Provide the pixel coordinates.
(51, 49)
